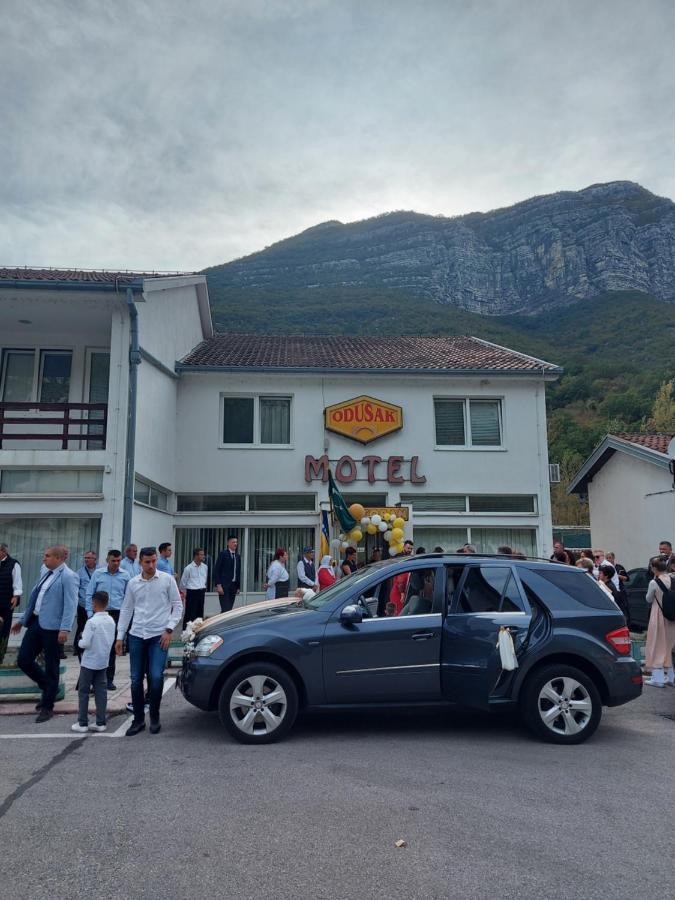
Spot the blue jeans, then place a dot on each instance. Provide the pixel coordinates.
(146, 653)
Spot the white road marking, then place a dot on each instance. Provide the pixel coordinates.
(119, 732)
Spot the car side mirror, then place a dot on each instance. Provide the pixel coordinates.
(351, 615)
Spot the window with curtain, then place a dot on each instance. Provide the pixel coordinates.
(51, 481)
(28, 538)
(55, 376)
(275, 420)
(449, 416)
(485, 416)
(17, 376)
(450, 539)
(502, 503)
(488, 539)
(435, 502)
(211, 502)
(237, 420)
(262, 543)
(99, 374)
(212, 540)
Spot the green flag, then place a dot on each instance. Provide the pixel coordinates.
(345, 518)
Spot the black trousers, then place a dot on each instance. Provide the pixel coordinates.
(34, 641)
(228, 596)
(194, 605)
(6, 613)
(81, 622)
(110, 672)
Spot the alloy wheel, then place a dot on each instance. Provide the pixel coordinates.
(565, 706)
(258, 705)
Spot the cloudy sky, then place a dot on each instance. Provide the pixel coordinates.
(162, 134)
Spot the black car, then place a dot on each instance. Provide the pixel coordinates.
(636, 591)
(415, 630)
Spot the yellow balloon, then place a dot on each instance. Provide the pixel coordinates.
(371, 529)
(386, 517)
(399, 548)
(397, 535)
(356, 534)
(357, 511)
(399, 522)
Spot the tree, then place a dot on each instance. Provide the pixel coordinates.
(662, 419)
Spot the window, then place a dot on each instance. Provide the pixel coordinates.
(365, 499)
(257, 420)
(435, 502)
(150, 494)
(404, 594)
(573, 582)
(211, 502)
(262, 542)
(519, 539)
(99, 374)
(502, 503)
(450, 539)
(17, 376)
(51, 481)
(282, 502)
(55, 377)
(472, 423)
(489, 589)
(212, 540)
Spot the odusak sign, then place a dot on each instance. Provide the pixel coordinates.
(393, 469)
(363, 419)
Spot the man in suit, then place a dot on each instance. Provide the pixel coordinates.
(227, 574)
(48, 620)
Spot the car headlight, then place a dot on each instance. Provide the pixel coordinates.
(207, 645)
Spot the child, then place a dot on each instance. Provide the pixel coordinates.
(96, 641)
(390, 608)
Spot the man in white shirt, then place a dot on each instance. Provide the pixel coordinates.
(152, 598)
(11, 589)
(193, 586)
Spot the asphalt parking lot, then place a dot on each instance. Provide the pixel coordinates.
(485, 810)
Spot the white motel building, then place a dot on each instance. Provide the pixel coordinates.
(124, 417)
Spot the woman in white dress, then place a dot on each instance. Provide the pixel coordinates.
(660, 631)
(278, 578)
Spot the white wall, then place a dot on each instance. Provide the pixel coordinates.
(632, 508)
(169, 323)
(520, 466)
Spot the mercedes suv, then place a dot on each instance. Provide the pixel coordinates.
(420, 629)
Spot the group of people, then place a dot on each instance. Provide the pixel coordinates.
(612, 578)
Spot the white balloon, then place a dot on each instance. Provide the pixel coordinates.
(383, 527)
(366, 521)
(392, 551)
(376, 519)
(343, 536)
(344, 545)
(387, 535)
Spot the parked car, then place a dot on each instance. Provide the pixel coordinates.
(636, 591)
(259, 665)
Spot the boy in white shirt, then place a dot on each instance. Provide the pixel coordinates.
(97, 639)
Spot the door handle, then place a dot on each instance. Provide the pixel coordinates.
(422, 635)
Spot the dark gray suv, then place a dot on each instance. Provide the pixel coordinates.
(420, 629)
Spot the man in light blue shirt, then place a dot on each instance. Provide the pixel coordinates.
(113, 580)
(130, 561)
(163, 564)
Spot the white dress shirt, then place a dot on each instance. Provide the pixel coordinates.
(154, 603)
(17, 584)
(97, 639)
(194, 577)
(45, 584)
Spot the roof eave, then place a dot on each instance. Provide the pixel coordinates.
(546, 375)
(604, 451)
(45, 285)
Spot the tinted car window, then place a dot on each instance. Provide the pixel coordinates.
(578, 585)
(484, 588)
(639, 578)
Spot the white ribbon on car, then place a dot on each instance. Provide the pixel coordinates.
(507, 652)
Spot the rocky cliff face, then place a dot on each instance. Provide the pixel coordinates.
(544, 252)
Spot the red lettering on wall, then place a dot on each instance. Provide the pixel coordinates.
(337, 415)
(414, 477)
(340, 474)
(393, 468)
(390, 415)
(370, 462)
(316, 468)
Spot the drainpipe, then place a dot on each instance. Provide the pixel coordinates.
(134, 362)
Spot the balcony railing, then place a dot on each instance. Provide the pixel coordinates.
(66, 424)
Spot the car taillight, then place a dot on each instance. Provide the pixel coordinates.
(620, 640)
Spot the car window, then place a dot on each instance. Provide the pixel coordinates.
(574, 583)
(407, 593)
(638, 578)
(489, 589)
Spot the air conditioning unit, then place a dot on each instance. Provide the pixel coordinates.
(554, 473)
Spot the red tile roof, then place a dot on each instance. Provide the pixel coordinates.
(390, 353)
(94, 276)
(658, 442)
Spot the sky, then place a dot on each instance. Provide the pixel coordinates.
(167, 135)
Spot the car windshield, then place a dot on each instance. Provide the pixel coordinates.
(328, 594)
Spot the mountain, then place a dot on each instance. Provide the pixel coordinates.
(540, 254)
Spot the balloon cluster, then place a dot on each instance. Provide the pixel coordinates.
(389, 525)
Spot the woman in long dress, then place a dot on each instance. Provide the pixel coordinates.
(278, 578)
(326, 574)
(660, 631)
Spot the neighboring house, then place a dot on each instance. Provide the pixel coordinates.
(236, 432)
(630, 484)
